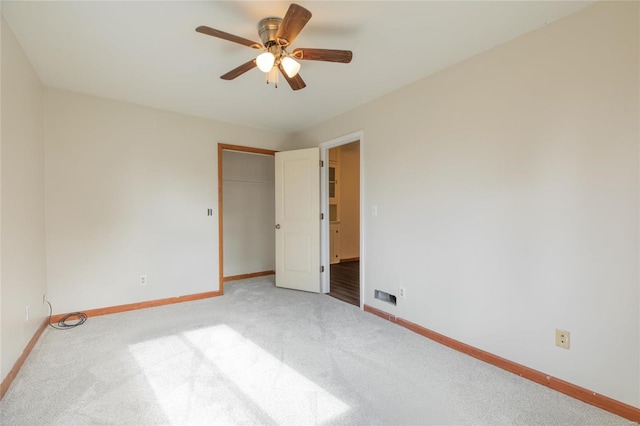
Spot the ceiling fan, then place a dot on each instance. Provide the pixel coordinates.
(277, 35)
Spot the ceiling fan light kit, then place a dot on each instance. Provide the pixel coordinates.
(291, 66)
(277, 34)
(265, 61)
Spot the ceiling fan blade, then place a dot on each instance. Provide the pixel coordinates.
(292, 23)
(328, 55)
(295, 82)
(229, 37)
(236, 72)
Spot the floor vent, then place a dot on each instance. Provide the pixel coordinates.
(385, 297)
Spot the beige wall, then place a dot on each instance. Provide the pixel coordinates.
(127, 192)
(507, 193)
(349, 200)
(22, 244)
(249, 212)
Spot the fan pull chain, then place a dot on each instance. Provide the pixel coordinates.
(272, 76)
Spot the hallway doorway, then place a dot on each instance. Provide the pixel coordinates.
(343, 194)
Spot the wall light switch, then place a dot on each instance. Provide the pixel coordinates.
(374, 210)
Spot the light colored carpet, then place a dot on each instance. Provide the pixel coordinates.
(264, 355)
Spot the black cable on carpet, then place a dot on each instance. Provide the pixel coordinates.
(80, 317)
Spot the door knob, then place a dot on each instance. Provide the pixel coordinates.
(278, 226)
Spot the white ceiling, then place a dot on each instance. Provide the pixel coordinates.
(148, 53)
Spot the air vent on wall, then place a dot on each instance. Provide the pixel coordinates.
(385, 297)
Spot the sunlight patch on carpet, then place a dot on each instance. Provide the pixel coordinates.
(216, 374)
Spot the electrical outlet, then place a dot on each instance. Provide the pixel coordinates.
(143, 280)
(26, 308)
(402, 292)
(563, 338)
(44, 298)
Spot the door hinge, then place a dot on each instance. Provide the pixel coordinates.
(321, 163)
(321, 216)
(322, 269)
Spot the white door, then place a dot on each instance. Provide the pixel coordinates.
(298, 219)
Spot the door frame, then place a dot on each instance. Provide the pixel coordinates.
(227, 147)
(324, 208)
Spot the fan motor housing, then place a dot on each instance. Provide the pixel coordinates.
(268, 28)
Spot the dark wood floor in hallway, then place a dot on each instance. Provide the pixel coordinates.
(345, 282)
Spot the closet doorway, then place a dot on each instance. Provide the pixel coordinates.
(246, 211)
